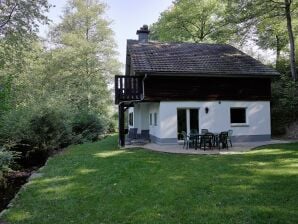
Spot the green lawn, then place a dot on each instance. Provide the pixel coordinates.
(98, 183)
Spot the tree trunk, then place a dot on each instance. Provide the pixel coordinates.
(291, 39)
(278, 49)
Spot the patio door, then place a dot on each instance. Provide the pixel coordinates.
(187, 120)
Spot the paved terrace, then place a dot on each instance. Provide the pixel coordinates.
(236, 149)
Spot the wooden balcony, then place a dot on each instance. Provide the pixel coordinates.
(128, 88)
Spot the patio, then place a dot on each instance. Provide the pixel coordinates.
(238, 147)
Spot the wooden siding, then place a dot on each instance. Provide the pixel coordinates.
(206, 88)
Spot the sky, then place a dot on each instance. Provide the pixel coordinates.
(127, 17)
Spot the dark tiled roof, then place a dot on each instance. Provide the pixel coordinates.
(190, 58)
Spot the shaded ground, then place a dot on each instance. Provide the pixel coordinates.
(13, 183)
(98, 183)
(24, 167)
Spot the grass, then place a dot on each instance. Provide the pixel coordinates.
(98, 183)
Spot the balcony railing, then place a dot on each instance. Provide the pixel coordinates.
(128, 88)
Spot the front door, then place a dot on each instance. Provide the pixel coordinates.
(187, 120)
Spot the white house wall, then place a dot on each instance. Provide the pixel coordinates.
(155, 129)
(218, 119)
(140, 116)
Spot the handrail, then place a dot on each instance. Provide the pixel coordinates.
(128, 88)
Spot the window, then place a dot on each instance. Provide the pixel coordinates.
(130, 119)
(187, 121)
(238, 115)
(150, 119)
(155, 119)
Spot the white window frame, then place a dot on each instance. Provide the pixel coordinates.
(188, 117)
(240, 124)
(131, 118)
(155, 119)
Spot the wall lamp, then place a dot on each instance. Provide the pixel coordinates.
(206, 110)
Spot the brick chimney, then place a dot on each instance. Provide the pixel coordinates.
(143, 34)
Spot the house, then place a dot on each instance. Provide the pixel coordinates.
(172, 87)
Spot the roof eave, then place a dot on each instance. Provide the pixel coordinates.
(208, 74)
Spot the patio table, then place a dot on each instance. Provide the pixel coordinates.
(198, 137)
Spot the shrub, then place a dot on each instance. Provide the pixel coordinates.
(87, 126)
(34, 132)
(113, 123)
(284, 104)
(49, 130)
(14, 127)
(6, 160)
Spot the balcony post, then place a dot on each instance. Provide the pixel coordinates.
(121, 125)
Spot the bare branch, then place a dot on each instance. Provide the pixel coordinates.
(9, 16)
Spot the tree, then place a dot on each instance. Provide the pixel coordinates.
(21, 17)
(19, 20)
(83, 62)
(287, 6)
(271, 34)
(275, 13)
(194, 21)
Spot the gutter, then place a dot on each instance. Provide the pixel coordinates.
(208, 74)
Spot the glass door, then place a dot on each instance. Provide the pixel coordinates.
(194, 120)
(181, 122)
(187, 120)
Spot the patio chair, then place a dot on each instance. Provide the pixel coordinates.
(145, 135)
(223, 140)
(230, 133)
(206, 141)
(132, 134)
(194, 131)
(186, 140)
(204, 131)
(142, 138)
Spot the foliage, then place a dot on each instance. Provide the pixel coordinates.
(43, 90)
(49, 130)
(14, 126)
(21, 17)
(98, 181)
(113, 123)
(193, 21)
(284, 100)
(6, 160)
(271, 20)
(34, 132)
(87, 127)
(19, 21)
(83, 64)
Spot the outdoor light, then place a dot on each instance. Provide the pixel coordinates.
(206, 110)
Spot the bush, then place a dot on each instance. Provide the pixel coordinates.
(284, 104)
(49, 130)
(6, 160)
(34, 132)
(113, 123)
(14, 127)
(87, 127)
